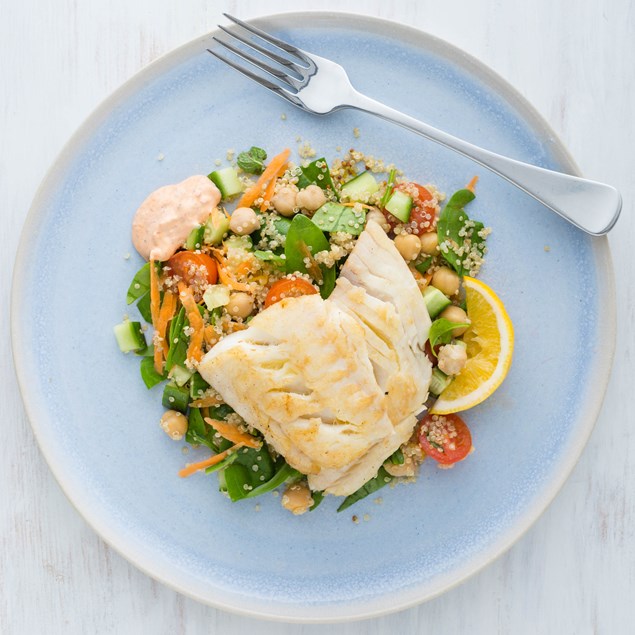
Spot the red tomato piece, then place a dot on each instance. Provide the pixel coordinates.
(445, 438)
(288, 288)
(193, 267)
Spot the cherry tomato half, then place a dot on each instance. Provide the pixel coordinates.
(445, 438)
(288, 288)
(422, 218)
(192, 267)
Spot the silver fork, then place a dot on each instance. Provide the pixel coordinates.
(320, 86)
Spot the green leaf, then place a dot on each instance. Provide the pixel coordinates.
(283, 473)
(317, 497)
(143, 307)
(424, 265)
(441, 331)
(269, 256)
(177, 341)
(332, 217)
(140, 284)
(397, 457)
(376, 483)
(318, 173)
(304, 234)
(456, 239)
(148, 373)
(252, 161)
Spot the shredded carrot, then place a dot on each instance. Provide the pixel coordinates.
(204, 402)
(243, 268)
(233, 434)
(268, 194)
(236, 326)
(201, 465)
(155, 293)
(194, 350)
(270, 172)
(166, 313)
(472, 184)
(211, 336)
(224, 276)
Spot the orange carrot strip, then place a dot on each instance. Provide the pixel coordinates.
(268, 195)
(155, 293)
(201, 465)
(243, 268)
(256, 190)
(166, 312)
(472, 184)
(232, 433)
(204, 402)
(194, 350)
(211, 336)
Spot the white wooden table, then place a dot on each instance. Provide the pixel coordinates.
(574, 571)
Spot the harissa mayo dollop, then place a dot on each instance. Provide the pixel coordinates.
(166, 218)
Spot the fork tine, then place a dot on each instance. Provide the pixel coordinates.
(281, 76)
(285, 46)
(283, 61)
(263, 81)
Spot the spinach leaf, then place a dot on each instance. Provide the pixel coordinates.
(284, 472)
(332, 217)
(307, 239)
(140, 284)
(316, 172)
(269, 256)
(317, 497)
(441, 331)
(376, 483)
(424, 265)
(198, 432)
(177, 341)
(252, 161)
(459, 239)
(148, 373)
(143, 307)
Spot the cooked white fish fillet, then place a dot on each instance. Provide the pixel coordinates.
(334, 385)
(301, 375)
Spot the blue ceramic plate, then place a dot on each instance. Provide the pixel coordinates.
(98, 426)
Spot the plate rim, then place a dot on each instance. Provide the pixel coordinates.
(589, 415)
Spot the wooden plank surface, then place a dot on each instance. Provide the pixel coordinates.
(574, 571)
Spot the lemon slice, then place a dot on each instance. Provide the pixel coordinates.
(490, 343)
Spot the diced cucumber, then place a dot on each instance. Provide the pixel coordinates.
(399, 205)
(216, 295)
(439, 381)
(195, 239)
(130, 337)
(216, 227)
(435, 301)
(197, 386)
(180, 375)
(360, 187)
(227, 181)
(176, 398)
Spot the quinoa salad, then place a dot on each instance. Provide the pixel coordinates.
(314, 327)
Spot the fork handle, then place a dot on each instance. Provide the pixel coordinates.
(591, 206)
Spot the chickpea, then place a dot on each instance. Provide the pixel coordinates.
(446, 280)
(284, 200)
(297, 498)
(244, 221)
(376, 216)
(429, 243)
(310, 198)
(452, 358)
(458, 315)
(408, 245)
(241, 305)
(174, 424)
